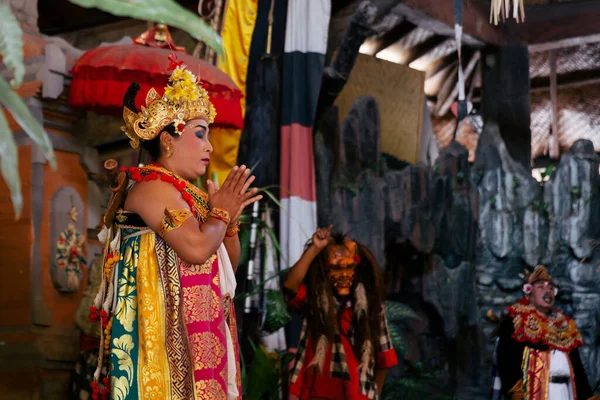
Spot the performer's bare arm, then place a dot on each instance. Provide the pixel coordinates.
(320, 239)
(192, 243)
(380, 375)
(234, 250)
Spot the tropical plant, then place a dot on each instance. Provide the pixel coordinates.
(267, 372)
(416, 382)
(167, 12)
(11, 52)
(396, 313)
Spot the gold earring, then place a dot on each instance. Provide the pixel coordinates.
(169, 151)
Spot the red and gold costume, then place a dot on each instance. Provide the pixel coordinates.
(537, 354)
(169, 328)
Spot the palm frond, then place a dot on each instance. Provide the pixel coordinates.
(277, 315)
(163, 11)
(398, 340)
(11, 100)
(9, 165)
(396, 311)
(11, 44)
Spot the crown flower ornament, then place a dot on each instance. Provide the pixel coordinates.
(540, 273)
(184, 99)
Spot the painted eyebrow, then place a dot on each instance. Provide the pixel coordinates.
(201, 126)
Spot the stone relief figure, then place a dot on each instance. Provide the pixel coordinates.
(70, 249)
(67, 251)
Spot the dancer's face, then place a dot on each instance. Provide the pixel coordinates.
(542, 296)
(191, 150)
(341, 262)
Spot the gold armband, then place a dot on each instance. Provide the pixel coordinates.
(233, 229)
(220, 214)
(173, 219)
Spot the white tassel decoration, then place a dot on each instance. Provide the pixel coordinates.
(324, 306)
(320, 351)
(501, 10)
(365, 354)
(362, 304)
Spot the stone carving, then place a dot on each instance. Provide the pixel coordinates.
(477, 228)
(67, 239)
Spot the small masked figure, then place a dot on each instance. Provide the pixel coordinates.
(341, 262)
(345, 348)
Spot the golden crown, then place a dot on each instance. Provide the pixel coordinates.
(184, 100)
(540, 273)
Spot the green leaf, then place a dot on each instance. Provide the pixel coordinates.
(263, 373)
(11, 44)
(244, 375)
(9, 165)
(271, 196)
(398, 340)
(273, 236)
(23, 116)
(163, 11)
(277, 314)
(244, 236)
(395, 311)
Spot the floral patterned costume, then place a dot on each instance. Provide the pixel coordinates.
(170, 331)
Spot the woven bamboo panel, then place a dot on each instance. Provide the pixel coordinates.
(578, 118)
(568, 59)
(399, 94)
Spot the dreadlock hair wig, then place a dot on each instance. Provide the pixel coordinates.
(151, 146)
(366, 297)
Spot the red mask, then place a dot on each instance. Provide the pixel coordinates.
(341, 262)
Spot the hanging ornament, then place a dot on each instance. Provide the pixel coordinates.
(70, 252)
(501, 10)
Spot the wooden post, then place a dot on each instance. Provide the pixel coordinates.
(505, 98)
(554, 149)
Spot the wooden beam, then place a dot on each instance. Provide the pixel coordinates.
(545, 25)
(559, 44)
(438, 16)
(557, 21)
(569, 79)
(563, 81)
(392, 36)
(554, 149)
(446, 88)
(441, 63)
(419, 50)
(506, 99)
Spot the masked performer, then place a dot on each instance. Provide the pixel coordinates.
(345, 348)
(171, 250)
(537, 354)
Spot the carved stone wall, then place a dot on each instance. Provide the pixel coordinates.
(469, 231)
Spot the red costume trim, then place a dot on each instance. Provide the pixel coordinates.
(298, 300)
(386, 359)
(556, 331)
(155, 171)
